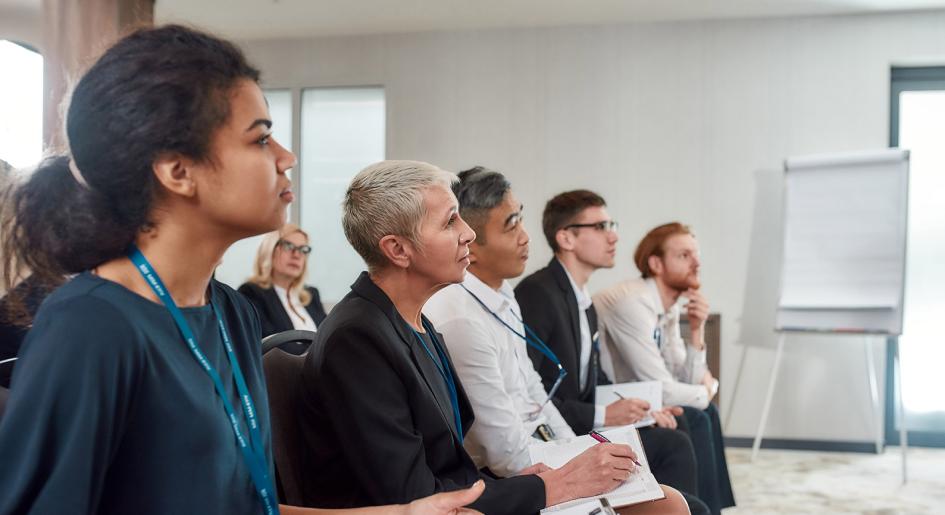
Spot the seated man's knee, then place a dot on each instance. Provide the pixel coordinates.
(696, 416)
(712, 411)
(679, 440)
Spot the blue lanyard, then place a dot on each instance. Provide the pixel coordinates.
(443, 368)
(534, 341)
(253, 451)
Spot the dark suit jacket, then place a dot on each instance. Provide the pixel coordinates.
(377, 425)
(550, 308)
(272, 315)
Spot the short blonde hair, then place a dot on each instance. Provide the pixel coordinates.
(386, 198)
(262, 267)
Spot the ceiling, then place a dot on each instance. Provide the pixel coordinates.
(265, 19)
(258, 19)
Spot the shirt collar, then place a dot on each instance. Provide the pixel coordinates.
(496, 301)
(582, 295)
(658, 300)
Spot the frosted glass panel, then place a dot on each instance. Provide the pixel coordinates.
(21, 105)
(922, 124)
(237, 263)
(343, 130)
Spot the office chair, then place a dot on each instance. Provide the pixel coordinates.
(283, 371)
(4, 395)
(293, 342)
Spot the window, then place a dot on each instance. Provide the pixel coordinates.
(21, 105)
(918, 123)
(238, 261)
(343, 130)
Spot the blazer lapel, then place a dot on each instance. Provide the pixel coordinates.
(561, 278)
(434, 380)
(280, 318)
(594, 363)
(365, 287)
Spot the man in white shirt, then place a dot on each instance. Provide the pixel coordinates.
(639, 325)
(482, 326)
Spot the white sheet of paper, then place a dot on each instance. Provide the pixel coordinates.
(843, 223)
(650, 391)
(641, 486)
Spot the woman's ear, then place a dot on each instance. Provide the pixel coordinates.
(396, 250)
(175, 173)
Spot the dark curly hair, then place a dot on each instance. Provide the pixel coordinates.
(156, 90)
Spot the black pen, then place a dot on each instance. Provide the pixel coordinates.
(603, 439)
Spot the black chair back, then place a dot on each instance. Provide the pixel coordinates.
(283, 372)
(293, 342)
(4, 395)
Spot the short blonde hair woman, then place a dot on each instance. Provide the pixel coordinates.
(277, 288)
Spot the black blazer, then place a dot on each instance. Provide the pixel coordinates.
(376, 429)
(550, 308)
(272, 316)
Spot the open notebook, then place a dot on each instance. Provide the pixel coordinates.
(641, 486)
(650, 391)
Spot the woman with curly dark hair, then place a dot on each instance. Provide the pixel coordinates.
(139, 388)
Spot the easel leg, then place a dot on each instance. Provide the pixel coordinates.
(874, 394)
(767, 407)
(731, 400)
(903, 437)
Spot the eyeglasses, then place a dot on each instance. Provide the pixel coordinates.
(288, 246)
(605, 225)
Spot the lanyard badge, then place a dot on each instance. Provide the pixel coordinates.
(253, 452)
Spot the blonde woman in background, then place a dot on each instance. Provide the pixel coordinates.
(277, 288)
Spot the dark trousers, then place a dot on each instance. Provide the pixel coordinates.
(673, 463)
(705, 431)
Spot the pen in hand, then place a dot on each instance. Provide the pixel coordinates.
(603, 439)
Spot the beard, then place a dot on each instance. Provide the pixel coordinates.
(683, 282)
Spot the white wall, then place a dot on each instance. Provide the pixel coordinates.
(686, 121)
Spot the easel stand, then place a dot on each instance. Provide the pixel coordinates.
(874, 397)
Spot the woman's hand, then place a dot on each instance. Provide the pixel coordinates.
(535, 469)
(448, 503)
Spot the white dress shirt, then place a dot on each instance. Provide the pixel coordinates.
(584, 303)
(645, 344)
(299, 316)
(497, 374)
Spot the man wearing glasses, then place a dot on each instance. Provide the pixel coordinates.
(482, 326)
(556, 305)
(383, 414)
